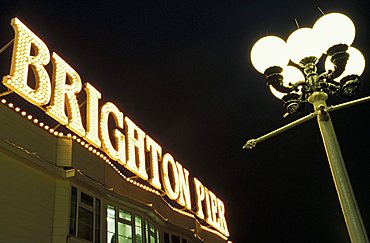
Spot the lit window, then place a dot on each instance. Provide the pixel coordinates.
(111, 224)
(152, 234)
(124, 233)
(138, 229)
(125, 227)
(125, 215)
(84, 216)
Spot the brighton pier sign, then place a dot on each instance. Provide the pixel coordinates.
(126, 144)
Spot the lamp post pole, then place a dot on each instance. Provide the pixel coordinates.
(355, 226)
(291, 74)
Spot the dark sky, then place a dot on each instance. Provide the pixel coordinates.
(181, 70)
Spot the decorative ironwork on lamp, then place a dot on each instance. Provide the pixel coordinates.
(300, 54)
(291, 73)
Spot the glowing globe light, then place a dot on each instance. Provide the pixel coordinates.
(335, 28)
(291, 75)
(303, 43)
(355, 64)
(269, 51)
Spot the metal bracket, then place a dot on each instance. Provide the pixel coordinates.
(322, 113)
(253, 142)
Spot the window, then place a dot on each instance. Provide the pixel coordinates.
(125, 227)
(174, 239)
(166, 238)
(111, 224)
(138, 229)
(84, 216)
(152, 234)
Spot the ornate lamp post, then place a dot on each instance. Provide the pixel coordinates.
(291, 74)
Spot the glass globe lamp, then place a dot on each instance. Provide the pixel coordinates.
(335, 28)
(291, 75)
(269, 51)
(355, 64)
(303, 43)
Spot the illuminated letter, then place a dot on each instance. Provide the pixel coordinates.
(171, 190)
(184, 197)
(24, 42)
(208, 207)
(221, 216)
(214, 209)
(118, 154)
(92, 115)
(155, 152)
(64, 95)
(133, 143)
(200, 195)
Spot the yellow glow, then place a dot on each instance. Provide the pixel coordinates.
(335, 28)
(155, 153)
(215, 232)
(92, 115)
(24, 42)
(355, 64)
(291, 75)
(172, 190)
(214, 209)
(200, 195)
(64, 108)
(135, 143)
(190, 215)
(119, 153)
(64, 96)
(269, 51)
(222, 219)
(208, 207)
(184, 191)
(304, 43)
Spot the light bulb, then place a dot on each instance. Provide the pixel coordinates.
(269, 51)
(291, 75)
(335, 28)
(355, 64)
(303, 43)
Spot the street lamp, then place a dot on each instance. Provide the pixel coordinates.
(291, 74)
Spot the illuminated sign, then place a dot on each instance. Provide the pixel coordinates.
(126, 144)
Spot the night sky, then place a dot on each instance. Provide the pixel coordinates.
(181, 70)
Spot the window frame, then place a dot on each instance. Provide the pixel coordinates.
(145, 225)
(79, 205)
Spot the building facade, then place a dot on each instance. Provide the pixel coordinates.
(58, 186)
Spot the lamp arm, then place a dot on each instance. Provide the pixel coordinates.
(339, 57)
(274, 78)
(326, 84)
(349, 104)
(276, 81)
(303, 84)
(253, 142)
